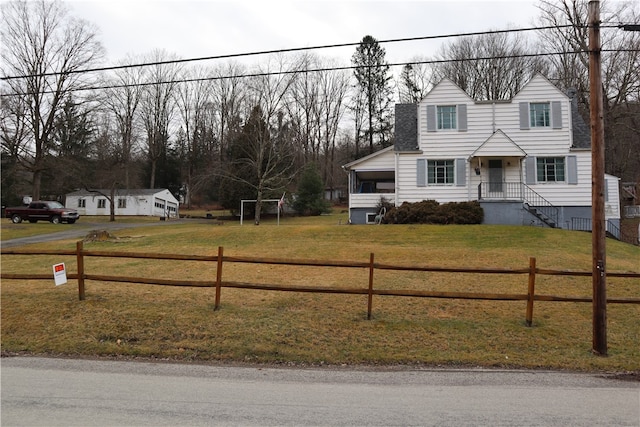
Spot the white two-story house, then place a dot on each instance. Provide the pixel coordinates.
(526, 160)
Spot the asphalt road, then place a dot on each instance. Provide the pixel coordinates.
(80, 229)
(66, 392)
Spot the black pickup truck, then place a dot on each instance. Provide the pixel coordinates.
(50, 211)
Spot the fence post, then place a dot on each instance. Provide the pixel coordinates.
(80, 262)
(218, 278)
(370, 296)
(531, 290)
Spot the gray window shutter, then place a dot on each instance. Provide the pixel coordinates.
(431, 118)
(606, 190)
(462, 117)
(422, 173)
(556, 115)
(572, 170)
(524, 115)
(530, 166)
(461, 172)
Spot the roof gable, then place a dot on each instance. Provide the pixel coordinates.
(537, 80)
(498, 144)
(447, 88)
(378, 155)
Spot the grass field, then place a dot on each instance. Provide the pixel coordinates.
(132, 320)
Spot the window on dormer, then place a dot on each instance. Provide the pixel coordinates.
(446, 117)
(539, 114)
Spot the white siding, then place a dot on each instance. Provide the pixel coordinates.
(612, 199)
(492, 131)
(136, 204)
(368, 200)
(483, 119)
(564, 194)
(409, 191)
(379, 161)
(539, 141)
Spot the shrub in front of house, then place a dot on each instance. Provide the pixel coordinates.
(431, 212)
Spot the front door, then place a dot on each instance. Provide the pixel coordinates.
(495, 176)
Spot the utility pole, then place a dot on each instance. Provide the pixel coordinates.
(598, 228)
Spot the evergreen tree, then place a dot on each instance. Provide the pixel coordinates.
(409, 91)
(374, 92)
(310, 197)
(69, 162)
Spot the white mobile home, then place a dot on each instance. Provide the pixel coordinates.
(526, 160)
(142, 202)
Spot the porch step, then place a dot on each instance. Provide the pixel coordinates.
(540, 215)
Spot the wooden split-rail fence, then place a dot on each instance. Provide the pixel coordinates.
(532, 271)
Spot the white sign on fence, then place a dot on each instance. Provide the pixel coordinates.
(59, 274)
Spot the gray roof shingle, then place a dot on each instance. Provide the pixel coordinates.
(581, 130)
(406, 127)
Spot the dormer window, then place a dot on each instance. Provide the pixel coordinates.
(539, 114)
(446, 117)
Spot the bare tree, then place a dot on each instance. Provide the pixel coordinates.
(304, 110)
(122, 98)
(620, 72)
(490, 66)
(416, 79)
(229, 94)
(13, 143)
(43, 48)
(158, 106)
(334, 87)
(266, 153)
(194, 103)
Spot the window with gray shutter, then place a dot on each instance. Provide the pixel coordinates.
(524, 115)
(530, 166)
(462, 117)
(572, 170)
(461, 172)
(431, 118)
(421, 173)
(556, 115)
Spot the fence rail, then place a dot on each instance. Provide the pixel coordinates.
(220, 259)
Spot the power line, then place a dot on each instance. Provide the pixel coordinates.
(286, 50)
(312, 70)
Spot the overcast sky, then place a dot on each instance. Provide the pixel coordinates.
(192, 29)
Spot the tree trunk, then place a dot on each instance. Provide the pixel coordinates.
(258, 207)
(112, 205)
(37, 179)
(152, 181)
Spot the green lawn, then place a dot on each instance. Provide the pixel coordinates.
(132, 320)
